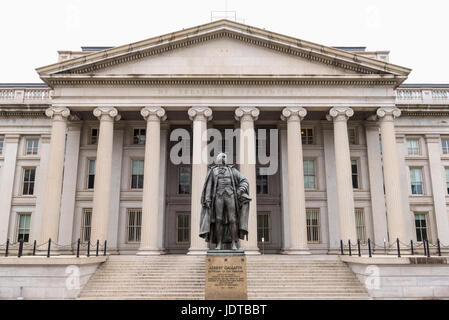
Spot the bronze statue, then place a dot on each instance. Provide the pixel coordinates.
(225, 200)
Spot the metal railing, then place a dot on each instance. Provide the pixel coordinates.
(20, 247)
(397, 247)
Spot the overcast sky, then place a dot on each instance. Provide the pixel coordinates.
(416, 32)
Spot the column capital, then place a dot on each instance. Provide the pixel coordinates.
(153, 114)
(57, 113)
(200, 113)
(106, 113)
(293, 114)
(246, 114)
(388, 113)
(340, 114)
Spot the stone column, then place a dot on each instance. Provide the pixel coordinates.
(53, 186)
(247, 161)
(103, 170)
(393, 186)
(199, 116)
(345, 193)
(150, 202)
(379, 213)
(11, 143)
(296, 195)
(437, 176)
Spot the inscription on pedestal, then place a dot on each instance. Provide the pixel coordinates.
(226, 276)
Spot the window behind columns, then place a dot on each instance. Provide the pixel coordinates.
(23, 227)
(184, 179)
(307, 135)
(413, 147)
(445, 145)
(133, 225)
(352, 135)
(313, 225)
(355, 173)
(137, 174)
(263, 227)
(416, 181)
(447, 179)
(139, 135)
(309, 174)
(261, 182)
(360, 224)
(421, 226)
(1, 146)
(90, 173)
(29, 176)
(86, 219)
(183, 227)
(93, 136)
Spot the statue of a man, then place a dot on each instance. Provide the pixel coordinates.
(225, 200)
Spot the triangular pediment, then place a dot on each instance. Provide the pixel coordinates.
(222, 48)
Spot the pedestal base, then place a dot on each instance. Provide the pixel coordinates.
(226, 275)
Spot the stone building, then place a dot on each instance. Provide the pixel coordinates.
(86, 154)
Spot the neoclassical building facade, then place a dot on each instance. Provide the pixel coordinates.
(88, 154)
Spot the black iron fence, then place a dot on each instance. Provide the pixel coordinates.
(77, 248)
(398, 248)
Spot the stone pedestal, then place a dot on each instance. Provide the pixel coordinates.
(226, 275)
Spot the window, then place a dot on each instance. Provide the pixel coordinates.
(307, 136)
(355, 174)
(447, 180)
(1, 146)
(86, 225)
(309, 174)
(29, 176)
(184, 174)
(313, 225)
(416, 180)
(139, 136)
(134, 221)
(23, 227)
(32, 146)
(413, 147)
(263, 227)
(183, 228)
(91, 174)
(261, 182)
(360, 224)
(421, 226)
(445, 145)
(93, 138)
(137, 174)
(352, 135)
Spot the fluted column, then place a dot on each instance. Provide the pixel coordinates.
(296, 195)
(199, 116)
(393, 187)
(53, 187)
(150, 202)
(345, 193)
(247, 161)
(103, 170)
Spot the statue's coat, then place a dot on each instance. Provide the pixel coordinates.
(207, 220)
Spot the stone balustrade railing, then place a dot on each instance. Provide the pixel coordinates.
(25, 95)
(427, 96)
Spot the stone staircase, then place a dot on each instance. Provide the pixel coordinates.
(182, 277)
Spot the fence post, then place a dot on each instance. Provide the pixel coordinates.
(349, 243)
(358, 247)
(341, 248)
(34, 247)
(428, 249)
(369, 247)
(88, 248)
(49, 247)
(7, 248)
(78, 248)
(411, 247)
(399, 250)
(439, 247)
(105, 243)
(20, 248)
(98, 244)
